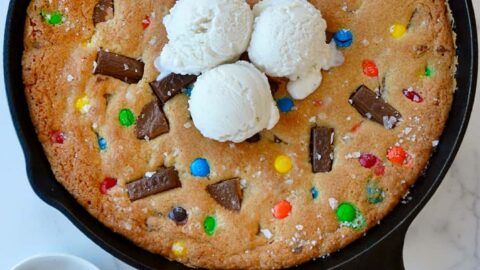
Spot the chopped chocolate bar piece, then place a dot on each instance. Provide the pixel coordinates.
(171, 86)
(373, 107)
(103, 11)
(163, 180)
(151, 122)
(244, 57)
(227, 193)
(321, 149)
(255, 138)
(274, 85)
(118, 66)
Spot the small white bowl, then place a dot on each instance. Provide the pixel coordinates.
(54, 261)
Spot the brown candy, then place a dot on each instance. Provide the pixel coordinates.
(151, 122)
(373, 107)
(163, 180)
(321, 149)
(103, 11)
(227, 193)
(171, 86)
(118, 66)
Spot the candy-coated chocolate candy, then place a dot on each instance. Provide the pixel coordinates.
(210, 225)
(179, 249)
(346, 212)
(52, 18)
(314, 192)
(146, 22)
(283, 164)
(107, 184)
(412, 95)
(179, 215)
(429, 71)
(285, 104)
(375, 194)
(57, 136)
(370, 68)
(126, 117)
(397, 155)
(188, 90)
(368, 160)
(398, 30)
(282, 209)
(200, 168)
(83, 104)
(343, 38)
(102, 143)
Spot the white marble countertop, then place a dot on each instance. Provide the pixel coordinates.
(446, 234)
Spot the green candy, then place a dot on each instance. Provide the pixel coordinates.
(429, 71)
(126, 117)
(375, 194)
(52, 18)
(210, 225)
(350, 216)
(346, 212)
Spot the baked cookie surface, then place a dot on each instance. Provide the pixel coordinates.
(87, 123)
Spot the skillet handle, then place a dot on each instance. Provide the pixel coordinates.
(387, 254)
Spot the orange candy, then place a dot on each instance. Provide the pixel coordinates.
(282, 209)
(397, 155)
(370, 68)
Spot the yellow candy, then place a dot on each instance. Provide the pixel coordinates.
(83, 104)
(283, 164)
(179, 249)
(398, 30)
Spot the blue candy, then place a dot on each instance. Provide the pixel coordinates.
(285, 104)
(200, 167)
(343, 38)
(314, 192)
(102, 143)
(188, 90)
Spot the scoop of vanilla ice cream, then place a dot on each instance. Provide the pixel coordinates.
(233, 102)
(204, 34)
(289, 40)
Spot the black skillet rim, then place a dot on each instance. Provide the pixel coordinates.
(48, 189)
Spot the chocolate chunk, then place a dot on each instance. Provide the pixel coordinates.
(255, 138)
(227, 193)
(373, 107)
(151, 122)
(163, 180)
(321, 147)
(274, 85)
(171, 86)
(244, 57)
(118, 66)
(103, 11)
(329, 36)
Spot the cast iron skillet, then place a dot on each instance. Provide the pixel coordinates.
(381, 248)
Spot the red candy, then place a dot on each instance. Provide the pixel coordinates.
(397, 155)
(370, 68)
(107, 184)
(379, 169)
(282, 209)
(57, 137)
(368, 160)
(146, 22)
(412, 95)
